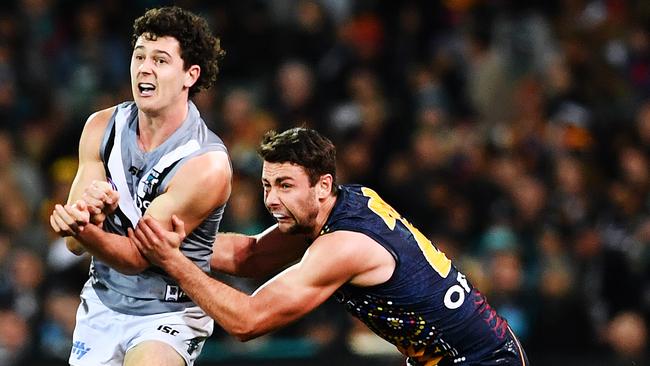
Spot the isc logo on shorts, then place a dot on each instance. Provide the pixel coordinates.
(167, 329)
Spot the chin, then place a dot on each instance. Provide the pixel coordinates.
(295, 229)
(285, 229)
(146, 106)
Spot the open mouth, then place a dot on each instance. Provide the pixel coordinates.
(146, 89)
(280, 217)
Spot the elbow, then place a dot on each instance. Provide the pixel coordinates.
(74, 246)
(243, 335)
(246, 330)
(129, 271)
(133, 267)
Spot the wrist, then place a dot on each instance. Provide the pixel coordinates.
(174, 262)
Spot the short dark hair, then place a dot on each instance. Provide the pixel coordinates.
(304, 147)
(198, 45)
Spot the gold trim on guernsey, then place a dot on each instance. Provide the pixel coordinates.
(419, 356)
(521, 349)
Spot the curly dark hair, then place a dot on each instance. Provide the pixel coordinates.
(198, 45)
(304, 147)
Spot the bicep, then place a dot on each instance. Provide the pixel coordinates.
(305, 285)
(90, 164)
(87, 172)
(295, 292)
(197, 188)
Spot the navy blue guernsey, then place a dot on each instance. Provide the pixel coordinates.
(427, 308)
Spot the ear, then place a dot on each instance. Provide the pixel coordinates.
(324, 186)
(192, 75)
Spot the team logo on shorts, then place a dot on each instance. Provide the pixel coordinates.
(194, 344)
(79, 349)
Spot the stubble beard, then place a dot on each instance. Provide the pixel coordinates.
(303, 227)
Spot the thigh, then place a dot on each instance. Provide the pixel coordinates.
(153, 353)
(183, 332)
(97, 334)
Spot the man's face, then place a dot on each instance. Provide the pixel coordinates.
(158, 79)
(289, 197)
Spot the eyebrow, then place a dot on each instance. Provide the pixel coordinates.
(140, 47)
(278, 179)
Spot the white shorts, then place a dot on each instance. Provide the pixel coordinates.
(103, 336)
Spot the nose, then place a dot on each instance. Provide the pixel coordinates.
(271, 198)
(146, 65)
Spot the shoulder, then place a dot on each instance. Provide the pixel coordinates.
(210, 167)
(93, 131)
(96, 124)
(345, 242)
(99, 120)
(207, 175)
(356, 256)
(344, 246)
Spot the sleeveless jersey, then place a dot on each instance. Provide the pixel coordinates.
(427, 308)
(140, 177)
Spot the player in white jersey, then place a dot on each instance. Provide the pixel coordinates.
(151, 156)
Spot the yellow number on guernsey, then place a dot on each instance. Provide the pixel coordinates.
(437, 259)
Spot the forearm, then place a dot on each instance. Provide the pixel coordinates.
(231, 309)
(231, 253)
(244, 256)
(115, 250)
(256, 256)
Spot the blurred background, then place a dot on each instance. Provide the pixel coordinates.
(514, 134)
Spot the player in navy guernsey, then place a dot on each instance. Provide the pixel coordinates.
(347, 242)
(427, 308)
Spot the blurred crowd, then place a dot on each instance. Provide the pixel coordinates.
(514, 134)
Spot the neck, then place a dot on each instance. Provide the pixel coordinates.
(155, 128)
(323, 214)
